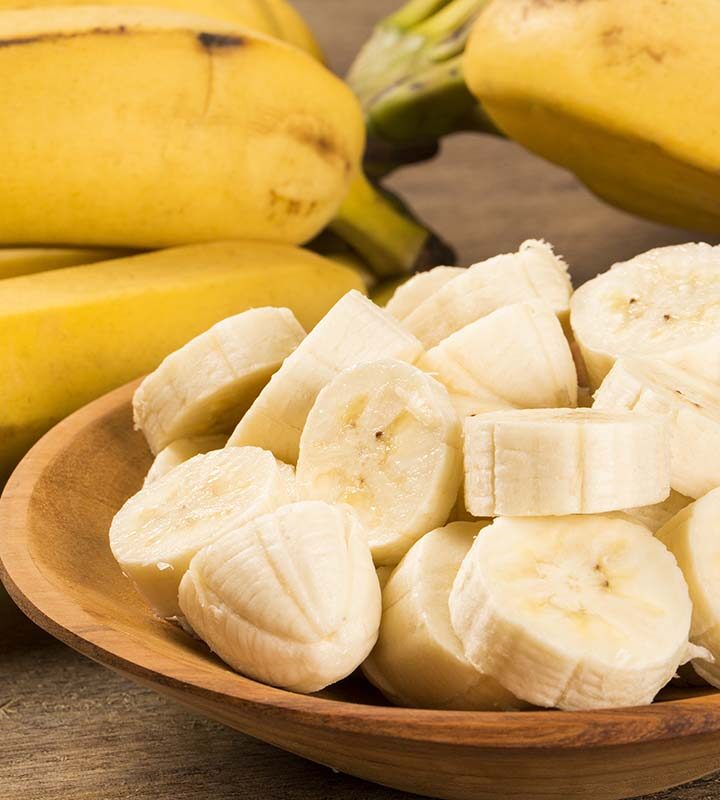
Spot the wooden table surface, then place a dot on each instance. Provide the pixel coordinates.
(71, 730)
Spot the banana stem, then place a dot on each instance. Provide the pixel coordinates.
(389, 240)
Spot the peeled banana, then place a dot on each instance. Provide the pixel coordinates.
(180, 451)
(409, 294)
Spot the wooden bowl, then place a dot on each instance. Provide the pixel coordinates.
(56, 563)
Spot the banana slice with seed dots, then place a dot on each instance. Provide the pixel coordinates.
(536, 462)
(573, 612)
(180, 451)
(418, 660)
(157, 532)
(385, 439)
(533, 273)
(690, 404)
(207, 385)
(354, 331)
(290, 598)
(408, 296)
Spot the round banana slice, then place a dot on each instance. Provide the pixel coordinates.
(290, 598)
(157, 532)
(208, 384)
(573, 612)
(408, 296)
(690, 403)
(655, 516)
(665, 302)
(533, 273)
(692, 537)
(564, 461)
(515, 357)
(418, 660)
(354, 331)
(385, 439)
(180, 451)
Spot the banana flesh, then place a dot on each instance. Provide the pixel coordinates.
(414, 291)
(290, 598)
(180, 451)
(207, 385)
(655, 516)
(352, 332)
(384, 439)
(573, 612)
(540, 462)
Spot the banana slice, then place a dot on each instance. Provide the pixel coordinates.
(418, 660)
(665, 300)
(532, 273)
(655, 516)
(515, 357)
(385, 439)
(157, 532)
(692, 407)
(692, 537)
(408, 296)
(354, 331)
(207, 385)
(180, 451)
(575, 612)
(290, 598)
(564, 461)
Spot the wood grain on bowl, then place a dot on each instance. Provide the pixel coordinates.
(56, 563)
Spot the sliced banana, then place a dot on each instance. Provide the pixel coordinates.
(655, 516)
(180, 451)
(354, 331)
(418, 660)
(574, 612)
(207, 385)
(540, 462)
(515, 357)
(157, 532)
(665, 300)
(692, 537)
(532, 273)
(692, 407)
(408, 296)
(385, 439)
(290, 598)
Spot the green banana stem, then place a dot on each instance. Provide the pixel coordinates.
(409, 79)
(385, 234)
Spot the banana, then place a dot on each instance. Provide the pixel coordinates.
(384, 438)
(655, 516)
(408, 296)
(16, 261)
(102, 325)
(145, 127)
(515, 357)
(209, 383)
(383, 575)
(692, 407)
(354, 331)
(534, 272)
(574, 612)
(691, 536)
(541, 462)
(290, 598)
(663, 304)
(157, 532)
(418, 660)
(180, 451)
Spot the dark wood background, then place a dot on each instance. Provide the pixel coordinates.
(71, 730)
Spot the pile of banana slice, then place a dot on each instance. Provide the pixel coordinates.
(414, 490)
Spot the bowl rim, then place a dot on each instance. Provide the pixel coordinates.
(94, 636)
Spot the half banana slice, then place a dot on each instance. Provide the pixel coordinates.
(690, 403)
(532, 273)
(354, 331)
(692, 537)
(385, 439)
(207, 385)
(573, 612)
(418, 660)
(408, 296)
(665, 302)
(157, 532)
(181, 451)
(290, 599)
(515, 357)
(564, 461)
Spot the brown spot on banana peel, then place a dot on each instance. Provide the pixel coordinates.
(220, 41)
